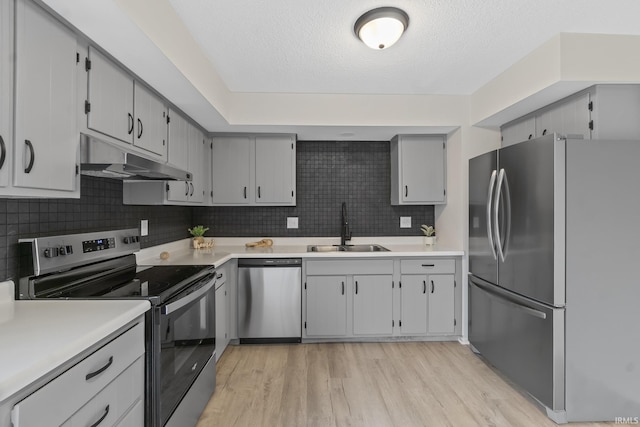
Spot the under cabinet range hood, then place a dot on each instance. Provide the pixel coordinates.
(106, 160)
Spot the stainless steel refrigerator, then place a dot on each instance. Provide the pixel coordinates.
(554, 295)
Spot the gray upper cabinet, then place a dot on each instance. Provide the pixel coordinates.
(231, 170)
(46, 144)
(254, 170)
(110, 97)
(599, 112)
(418, 173)
(122, 108)
(6, 89)
(275, 169)
(188, 150)
(520, 131)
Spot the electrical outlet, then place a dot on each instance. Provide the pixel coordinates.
(144, 227)
(405, 222)
(292, 222)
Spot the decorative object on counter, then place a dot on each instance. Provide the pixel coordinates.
(429, 234)
(264, 243)
(164, 255)
(205, 244)
(198, 232)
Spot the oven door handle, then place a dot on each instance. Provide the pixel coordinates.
(193, 296)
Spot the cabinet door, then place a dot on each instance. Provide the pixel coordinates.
(275, 169)
(372, 305)
(110, 95)
(326, 306)
(150, 121)
(520, 131)
(418, 170)
(222, 320)
(196, 165)
(46, 131)
(570, 118)
(231, 170)
(6, 89)
(413, 304)
(178, 144)
(441, 304)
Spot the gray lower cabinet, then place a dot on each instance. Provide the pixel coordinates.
(222, 312)
(373, 305)
(381, 298)
(413, 305)
(326, 306)
(106, 387)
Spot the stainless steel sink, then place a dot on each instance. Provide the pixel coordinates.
(346, 248)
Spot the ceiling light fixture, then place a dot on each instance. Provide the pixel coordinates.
(380, 28)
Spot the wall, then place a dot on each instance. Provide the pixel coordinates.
(99, 208)
(328, 173)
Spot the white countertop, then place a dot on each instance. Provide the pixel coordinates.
(226, 248)
(39, 336)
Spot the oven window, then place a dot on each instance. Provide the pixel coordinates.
(187, 343)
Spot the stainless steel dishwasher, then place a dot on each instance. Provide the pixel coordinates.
(269, 300)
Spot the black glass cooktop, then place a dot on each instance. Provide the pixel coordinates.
(121, 279)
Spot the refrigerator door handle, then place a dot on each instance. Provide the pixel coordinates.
(492, 183)
(496, 208)
(493, 294)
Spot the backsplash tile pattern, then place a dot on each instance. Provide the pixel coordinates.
(99, 208)
(328, 173)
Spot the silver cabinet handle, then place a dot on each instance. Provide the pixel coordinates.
(492, 183)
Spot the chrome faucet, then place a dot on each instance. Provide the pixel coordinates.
(345, 233)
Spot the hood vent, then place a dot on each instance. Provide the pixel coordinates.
(102, 159)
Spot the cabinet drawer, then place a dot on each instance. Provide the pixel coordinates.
(58, 400)
(427, 266)
(349, 266)
(110, 404)
(134, 417)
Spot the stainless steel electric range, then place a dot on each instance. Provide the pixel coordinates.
(180, 327)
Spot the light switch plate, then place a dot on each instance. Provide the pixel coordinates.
(405, 222)
(144, 227)
(292, 222)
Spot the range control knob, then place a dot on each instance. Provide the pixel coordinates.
(50, 252)
(131, 239)
(62, 250)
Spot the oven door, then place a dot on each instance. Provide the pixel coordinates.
(187, 341)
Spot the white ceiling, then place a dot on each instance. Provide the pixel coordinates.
(450, 47)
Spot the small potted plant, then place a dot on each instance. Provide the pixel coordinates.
(429, 234)
(198, 232)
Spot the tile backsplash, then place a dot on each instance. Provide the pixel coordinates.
(99, 208)
(328, 173)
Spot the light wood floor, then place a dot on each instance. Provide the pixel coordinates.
(365, 384)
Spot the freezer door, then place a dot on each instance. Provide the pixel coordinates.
(482, 182)
(523, 339)
(524, 215)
